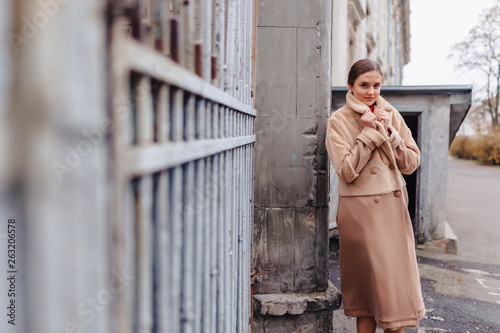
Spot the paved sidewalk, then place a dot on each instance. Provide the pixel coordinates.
(461, 292)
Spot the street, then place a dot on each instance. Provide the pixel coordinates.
(461, 292)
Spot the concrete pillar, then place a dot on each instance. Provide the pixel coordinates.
(290, 249)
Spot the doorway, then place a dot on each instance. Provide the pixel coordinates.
(412, 181)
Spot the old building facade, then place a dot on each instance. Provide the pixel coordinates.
(375, 29)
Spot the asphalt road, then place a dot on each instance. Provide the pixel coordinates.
(461, 292)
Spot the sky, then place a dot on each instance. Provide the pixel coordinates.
(435, 26)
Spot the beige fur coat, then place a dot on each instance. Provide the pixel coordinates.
(370, 161)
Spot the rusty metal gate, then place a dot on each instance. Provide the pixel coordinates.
(182, 150)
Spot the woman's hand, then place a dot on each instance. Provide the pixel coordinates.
(368, 119)
(384, 118)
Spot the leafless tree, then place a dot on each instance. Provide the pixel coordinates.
(480, 51)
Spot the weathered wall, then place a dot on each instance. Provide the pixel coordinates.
(290, 247)
(291, 186)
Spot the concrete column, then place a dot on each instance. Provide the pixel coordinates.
(290, 250)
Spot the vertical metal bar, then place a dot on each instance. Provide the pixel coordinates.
(243, 321)
(144, 233)
(163, 114)
(208, 122)
(189, 130)
(241, 47)
(188, 278)
(238, 123)
(221, 246)
(176, 207)
(220, 38)
(241, 242)
(252, 149)
(234, 239)
(200, 215)
(206, 36)
(230, 46)
(187, 16)
(213, 245)
(158, 24)
(247, 122)
(130, 255)
(197, 20)
(215, 121)
(227, 245)
(226, 123)
(220, 120)
(165, 17)
(122, 315)
(237, 55)
(176, 220)
(200, 119)
(177, 114)
(206, 247)
(237, 50)
(236, 118)
(249, 50)
(231, 123)
(187, 295)
(198, 59)
(254, 43)
(249, 235)
(164, 260)
(200, 235)
(238, 234)
(162, 234)
(144, 206)
(246, 273)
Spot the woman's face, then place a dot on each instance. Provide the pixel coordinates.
(366, 87)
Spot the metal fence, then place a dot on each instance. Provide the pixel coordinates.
(182, 164)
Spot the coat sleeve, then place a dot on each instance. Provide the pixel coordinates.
(403, 145)
(348, 160)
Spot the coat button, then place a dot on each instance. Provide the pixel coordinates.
(377, 199)
(397, 194)
(374, 171)
(391, 167)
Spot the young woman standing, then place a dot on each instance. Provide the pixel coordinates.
(370, 147)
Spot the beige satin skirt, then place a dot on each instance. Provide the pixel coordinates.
(378, 267)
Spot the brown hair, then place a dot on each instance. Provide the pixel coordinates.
(360, 67)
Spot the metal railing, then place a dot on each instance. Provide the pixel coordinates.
(183, 169)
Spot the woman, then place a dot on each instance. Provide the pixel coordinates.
(370, 146)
